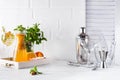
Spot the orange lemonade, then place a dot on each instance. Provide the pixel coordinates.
(20, 52)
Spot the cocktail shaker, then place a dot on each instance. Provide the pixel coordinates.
(82, 47)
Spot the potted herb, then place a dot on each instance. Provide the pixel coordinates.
(33, 35)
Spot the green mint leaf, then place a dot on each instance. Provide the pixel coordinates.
(35, 68)
(39, 72)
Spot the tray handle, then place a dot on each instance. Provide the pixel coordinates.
(8, 64)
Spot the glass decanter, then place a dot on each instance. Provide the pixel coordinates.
(20, 53)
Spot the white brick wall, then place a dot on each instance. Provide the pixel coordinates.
(66, 3)
(39, 3)
(14, 3)
(60, 20)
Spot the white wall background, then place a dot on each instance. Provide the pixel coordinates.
(59, 19)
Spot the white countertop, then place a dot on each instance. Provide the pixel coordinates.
(59, 70)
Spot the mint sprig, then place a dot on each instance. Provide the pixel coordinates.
(34, 71)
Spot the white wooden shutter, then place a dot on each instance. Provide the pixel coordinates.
(100, 16)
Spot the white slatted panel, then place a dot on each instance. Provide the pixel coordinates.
(100, 16)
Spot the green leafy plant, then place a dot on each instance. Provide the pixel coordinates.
(20, 28)
(33, 35)
(34, 71)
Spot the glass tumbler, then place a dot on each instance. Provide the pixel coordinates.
(104, 53)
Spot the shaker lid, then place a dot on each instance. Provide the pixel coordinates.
(82, 35)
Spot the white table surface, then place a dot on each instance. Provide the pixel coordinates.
(59, 70)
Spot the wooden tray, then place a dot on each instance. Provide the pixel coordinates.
(8, 62)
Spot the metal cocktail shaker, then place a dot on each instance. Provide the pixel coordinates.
(82, 47)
